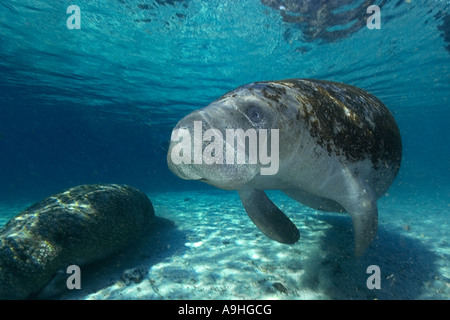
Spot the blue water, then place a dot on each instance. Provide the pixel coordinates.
(97, 104)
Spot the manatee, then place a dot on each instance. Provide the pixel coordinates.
(338, 149)
(79, 226)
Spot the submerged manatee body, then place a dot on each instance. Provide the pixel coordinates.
(79, 226)
(339, 149)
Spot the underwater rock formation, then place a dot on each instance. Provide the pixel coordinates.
(328, 20)
(79, 226)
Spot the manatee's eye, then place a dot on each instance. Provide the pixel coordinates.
(254, 114)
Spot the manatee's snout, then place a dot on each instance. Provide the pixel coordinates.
(178, 158)
(186, 145)
(199, 149)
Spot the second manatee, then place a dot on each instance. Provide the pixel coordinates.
(79, 226)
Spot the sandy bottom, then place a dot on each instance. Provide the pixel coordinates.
(204, 246)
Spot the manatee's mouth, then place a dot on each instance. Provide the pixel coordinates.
(191, 176)
(184, 174)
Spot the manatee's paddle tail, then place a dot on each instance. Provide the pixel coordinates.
(365, 224)
(362, 207)
(267, 217)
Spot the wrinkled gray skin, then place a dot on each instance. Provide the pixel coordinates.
(79, 226)
(339, 150)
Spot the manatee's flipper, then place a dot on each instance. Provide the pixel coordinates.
(267, 217)
(55, 286)
(362, 207)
